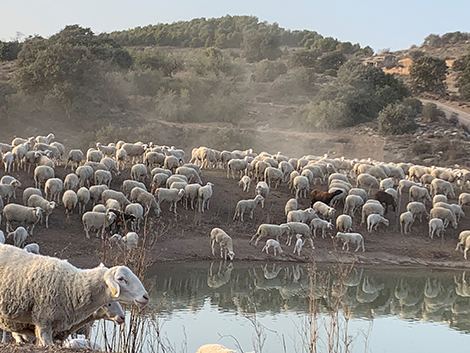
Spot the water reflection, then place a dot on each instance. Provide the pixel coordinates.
(440, 296)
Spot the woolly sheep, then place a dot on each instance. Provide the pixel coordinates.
(308, 174)
(158, 181)
(417, 209)
(298, 244)
(344, 223)
(19, 236)
(100, 208)
(117, 195)
(324, 210)
(97, 221)
(139, 172)
(152, 159)
(272, 243)
(32, 248)
(95, 193)
(137, 211)
(219, 236)
(128, 185)
(171, 163)
(366, 180)
(93, 155)
(262, 188)
(28, 192)
(436, 227)
(85, 174)
(46, 206)
(303, 216)
(190, 173)
(292, 176)
(318, 223)
(71, 182)
(246, 206)
(147, 200)
(359, 192)
(53, 188)
(45, 139)
(386, 184)
(31, 158)
(175, 178)
(245, 183)
(337, 176)
(439, 198)
(417, 193)
(405, 184)
(462, 240)
(445, 214)
(457, 209)
(180, 185)
(439, 186)
(130, 240)
(53, 310)
(353, 238)
(27, 216)
(112, 204)
(273, 175)
(406, 221)
(374, 220)
(301, 186)
(110, 165)
(270, 230)
(286, 169)
(134, 151)
(352, 204)
(42, 174)
(103, 177)
(191, 194)
(121, 157)
(8, 191)
(371, 208)
(75, 157)
(106, 150)
(464, 199)
(204, 196)
(291, 205)
(83, 197)
(8, 161)
(299, 228)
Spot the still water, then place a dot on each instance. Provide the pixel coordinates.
(270, 308)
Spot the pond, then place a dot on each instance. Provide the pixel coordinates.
(291, 307)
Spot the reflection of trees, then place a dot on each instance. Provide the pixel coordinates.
(279, 287)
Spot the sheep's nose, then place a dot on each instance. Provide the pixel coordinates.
(121, 319)
(146, 297)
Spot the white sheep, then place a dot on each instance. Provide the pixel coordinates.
(386, 184)
(270, 230)
(366, 180)
(371, 207)
(121, 157)
(417, 193)
(113, 205)
(139, 172)
(97, 221)
(130, 240)
(445, 214)
(405, 184)
(262, 188)
(439, 186)
(45, 139)
(352, 204)
(353, 238)
(32, 248)
(299, 228)
(304, 216)
(245, 183)
(169, 195)
(147, 200)
(246, 206)
(291, 205)
(152, 159)
(99, 208)
(93, 155)
(191, 194)
(374, 220)
(9, 191)
(83, 197)
(27, 216)
(75, 157)
(8, 159)
(439, 198)
(28, 192)
(109, 151)
(272, 243)
(52, 309)
(53, 188)
(225, 242)
(457, 209)
(103, 177)
(298, 244)
(324, 210)
(301, 185)
(190, 173)
(19, 236)
(292, 176)
(95, 193)
(359, 192)
(110, 165)
(137, 211)
(462, 240)
(117, 195)
(344, 223)
(436, 227)
(46, 206)
(128, 185)
(175, 178)
(273, 175)
(406, 221)
(71, 182)
(204, 196)
(417, 209)
(171, 163)
(464, 199)
(85, 174)
(318, 223)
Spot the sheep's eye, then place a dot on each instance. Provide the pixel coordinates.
(122, 279)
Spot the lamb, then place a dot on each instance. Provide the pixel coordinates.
(75, 158)
(353, 238)
(46, 206)
(70, 200)
(147, 200)
(318, 223)
(386, 200)
(28, 192)
(130, 240)
(262, 188)
(271, 243)
(225, 242)
(103, 177)
(83, 197)
(53, 188)
(462, 240)
(97, 221)
(439, 198)
(417, 209)
(246, 206)
(366, 180)
(8, 161)
(406, 221)
(420, 194)
(300, 228)
(32, 248)
(291, 205)
(95, 193)
(8, 191)
(128, 185)
(27, 216)
(270, 230)
(374, 220)
(245, 183)
(371, 208)
(204, 196)
(436, 227)
(298, 244)
(324, 210)
(439, 186)
(71, 182)
(19, 236)
(85, 174)
(344, 223)
(445, 214)
(139, 172)
(352, 204)
(322, 196)
(137, 211)
(54, 310)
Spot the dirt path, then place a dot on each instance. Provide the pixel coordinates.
(463, 116)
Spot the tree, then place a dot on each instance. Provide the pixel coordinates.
(268, 71)
(330, 61)
(431, 112)
(149, 59)
(9, 50)
(462, 67)
(396, 119)
(259, 45)
(428, 75)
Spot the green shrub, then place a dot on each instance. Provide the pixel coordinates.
(431, 113)
(396, 119)
(414, 103)
(268, 71)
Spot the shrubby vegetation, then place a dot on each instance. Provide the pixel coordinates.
(9, 50)
(462, 67)
(431, 112)
(428, 75)
(396, 119)
(436, 41)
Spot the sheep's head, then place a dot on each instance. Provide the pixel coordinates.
(125, 287)
(298, 236)
(111, 311)
(116, 237)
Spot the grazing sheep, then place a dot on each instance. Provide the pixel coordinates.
(70, 200)
(139, 172)
(98, 221)
(436, 227)
(405, 184)
(109, 151)
(225, 242)
(272, 176)
(406, 221)
(27, 216)
(32, 248)
(85, 174)
(130, 240)
(272, 243)
(28, 192)
(190, 173)
(246, 206)
(112, 204)
(439, 186)
(386, 184)
(371, 208)
(152, 159)
(386, 200)
(204, 196)
(322, 196)
(318, 223)
(147, 200)
(303, 216)
(374, 220)
(352, 204)
(110, 165)
(358, 192)
(417, 193)
(417, 209)
(324, 210)
(344, 223)
(457, 209)
(128, 185)
(366, 180)
(71, 182)
(121, 157)
(19, 236)
(46, 206)
(191, 194)
(103, 177)
(8, 161)
(8, 191)
(83, 197)
(298, 244)
(299, 228)
(41, 174)
(95, 193)
(270, 230)
(159, 180)
(262, 188)
(117, 195)
(353, 238)
(137, 211)
(245, 183)
(301, 185)
(171, 163)
(53, 188)
(439, 198)
(445, 214)
(45, 139)
(75, 158)
(291, 205)
(462, 240)
(99, 208)
(54, 310)
(464, 199)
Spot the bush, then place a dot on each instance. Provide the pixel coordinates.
(396, 119)
(421, 148)
(415, 54)
(431, 113)
(268, 71)
(9, 50)
(428, 74)
(230, 139)
(414, 103)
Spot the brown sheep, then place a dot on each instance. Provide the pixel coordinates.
(323, 196)
(386, 200)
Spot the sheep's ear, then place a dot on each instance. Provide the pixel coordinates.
(112, 284)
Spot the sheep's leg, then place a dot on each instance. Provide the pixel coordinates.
(44, 335)
(213, 247)
(47, 221)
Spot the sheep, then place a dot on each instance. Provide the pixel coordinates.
(158, 181)
(70, 200)
(28, 192)
(272, 230)
(112, 204)
(204, 196)
(191, 194)
(366, 180)
(246, 206)
(464, 199)
(117, 195)
(462, 240)
(109, 151)
(42, 174)
(308, 174)
(439, 186)
(121, 157)
(272, 243)
(95, 193)
(130, 240)
(445, 214)
(386, 200)
(386, 184)
(27, 216)
(300, 228)
(61, 148)
(467, 246)
(322, 196)
(359, 192)
(324, 210)
(217, 235)
(53, 188)
(352, 204)
(75, 158)
(171, 163)
(245, 183)
(110, 165)
(262, 188)
(45, 139)
(273, 175)
(147, 200)
(190, 173)
(19, 236)
(71, 182)
(8, 191)
(137, 210)
(2, 237)
(406, 221)
(5, 147)
(417, 193)
(8, 161)
(46, 206)
(128, 185)
(99, 208)
(436, 227)
(152, 159)
(417, 209)
(370, 208)
(98, 221)
(178, 185)
(54, 310)
(286, 169)
(457, 210)
(103, 177)
(353, 238)
(405, 184)
(318, 223)
(93, 155)
(85, 174)
(374, 220)
(344, 223)
(175, 178)
(291, 205)
(139, 172)
(83, 197)
(301, 185)
(32, 248)
(439, 198)
(298, 244)
(18, 141)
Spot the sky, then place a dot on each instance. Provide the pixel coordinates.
(394, 24)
